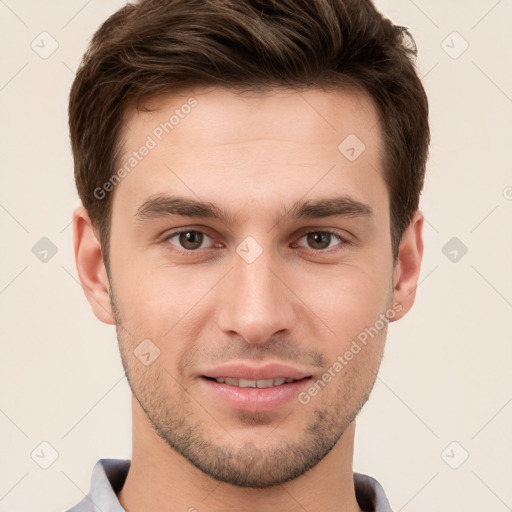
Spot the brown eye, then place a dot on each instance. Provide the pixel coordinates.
(189, 240)
(320, 240)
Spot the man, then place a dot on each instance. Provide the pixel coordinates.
(250, 173)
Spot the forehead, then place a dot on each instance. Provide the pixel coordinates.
(249, 148)
(218, 115)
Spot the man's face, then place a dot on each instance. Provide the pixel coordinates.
(258, 287)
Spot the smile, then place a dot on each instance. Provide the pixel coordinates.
(247, 383)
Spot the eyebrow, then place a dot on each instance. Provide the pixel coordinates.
(161, 206)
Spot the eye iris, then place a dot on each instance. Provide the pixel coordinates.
(191, 239)
(319, 238)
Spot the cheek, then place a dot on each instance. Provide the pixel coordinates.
(347, 300)
(162, 303)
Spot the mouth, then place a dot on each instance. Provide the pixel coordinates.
(244, 386)
(252, 383)
(253, 395)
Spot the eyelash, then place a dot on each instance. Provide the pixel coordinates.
(192, 252)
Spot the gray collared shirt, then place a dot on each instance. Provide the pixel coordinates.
(108, 478)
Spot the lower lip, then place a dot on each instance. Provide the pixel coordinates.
(255, 399)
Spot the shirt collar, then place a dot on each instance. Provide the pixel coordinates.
(109, 475)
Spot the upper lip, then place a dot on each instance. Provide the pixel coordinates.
(251, 372)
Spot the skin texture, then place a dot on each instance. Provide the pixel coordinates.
(298, 302)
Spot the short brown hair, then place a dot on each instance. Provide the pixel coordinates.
(160, 46)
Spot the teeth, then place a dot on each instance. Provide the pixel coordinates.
(265, 383)
(246, 383)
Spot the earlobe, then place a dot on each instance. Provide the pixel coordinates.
(90, 267)
(407, 269)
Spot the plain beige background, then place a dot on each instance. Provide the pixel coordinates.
(445, 387)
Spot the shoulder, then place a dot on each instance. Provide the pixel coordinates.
(370, 494)
(108, 477)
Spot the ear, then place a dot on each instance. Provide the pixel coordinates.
(408, 265)
(90, 267)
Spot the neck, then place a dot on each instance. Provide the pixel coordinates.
(161, 480)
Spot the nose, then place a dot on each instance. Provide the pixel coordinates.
(256, 303)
